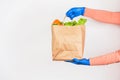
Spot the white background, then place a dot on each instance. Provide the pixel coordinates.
(25, 41)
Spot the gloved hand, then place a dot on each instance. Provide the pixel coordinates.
(74, 12)
(83, 61)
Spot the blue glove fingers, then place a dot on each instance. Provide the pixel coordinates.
(70, 14)
(69, 61)
(83, 61)
(74, 12)
(74, 61)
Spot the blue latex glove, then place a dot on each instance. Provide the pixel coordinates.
(83, 61)
(74, 12)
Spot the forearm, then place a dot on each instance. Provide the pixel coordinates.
(103, 16)
(109, 58)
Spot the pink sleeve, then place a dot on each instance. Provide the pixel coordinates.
(113, 57)
(103, 16)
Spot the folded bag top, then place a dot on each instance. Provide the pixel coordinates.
(67, 42)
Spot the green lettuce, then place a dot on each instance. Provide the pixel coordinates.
(81, 21)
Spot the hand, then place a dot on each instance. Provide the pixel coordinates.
(74, 12)
(83, 61)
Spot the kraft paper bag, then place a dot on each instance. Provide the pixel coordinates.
(67, 42)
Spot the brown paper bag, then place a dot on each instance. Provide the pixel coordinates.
(67, 42)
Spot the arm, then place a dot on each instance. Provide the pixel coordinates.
(99, 15)
(110, 58)
(103, 16)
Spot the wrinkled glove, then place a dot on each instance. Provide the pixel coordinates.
(83, 61)
(74, 12)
